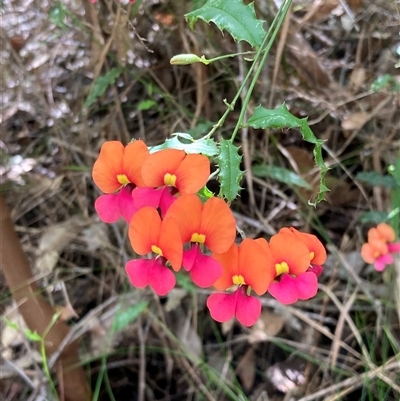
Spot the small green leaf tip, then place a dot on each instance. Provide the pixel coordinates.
(185, 59)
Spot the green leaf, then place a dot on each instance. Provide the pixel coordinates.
(129, 315)
(373, 217)
(233, 16)
(281, 118)
(280, 174)
(146, 104)
(374, 179)
(230, 174)
(206, 147)
(101, 85)
(57, 15)
(32, 335)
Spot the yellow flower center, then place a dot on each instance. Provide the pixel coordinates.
(200, 238)
(156, 250)
(312, 254)
(238, 279)
(170, 179)
(376, 254)
(122, 179)
(281, 268)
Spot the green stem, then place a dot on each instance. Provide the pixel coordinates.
(270, 37)
(211, 60)
(263, 50)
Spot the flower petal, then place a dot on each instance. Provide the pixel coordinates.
(138, 272)
(368, 253)
(135, 154)
(170, 243)
(192, 174)
(205, 270)
(394, 247)
(218, 225)
(107, 207)
(161, 279)
(255, 265)
(144, 196)
(189, 257)
(382, 261)
(108, 166)
(285, 291)
(144, 230)
(160, 163)
(313, 244)
(187, 211)
(229, 261)
(143, 272)
(287, 248)
(248, 308)
(307, 285)
(166, 200)
(316, 269)
(126, 206)
(222, 306)
(386, 232)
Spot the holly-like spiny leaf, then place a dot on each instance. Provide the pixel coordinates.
(230, 174)
(281, 118)
(234, 17)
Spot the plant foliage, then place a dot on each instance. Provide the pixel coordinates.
(234, 17)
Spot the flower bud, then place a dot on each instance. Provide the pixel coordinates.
(185, 59)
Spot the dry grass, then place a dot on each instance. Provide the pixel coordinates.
(342, 345)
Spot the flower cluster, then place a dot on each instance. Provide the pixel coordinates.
(157, 194)
(380, 247)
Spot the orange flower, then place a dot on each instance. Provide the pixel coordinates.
(173, 167)
(380, 246)
(148, 233)
(118, 166)
(211, 223)
(314, 245)
(291, 263)
(247, 264)
(289, 254)
(244, 267)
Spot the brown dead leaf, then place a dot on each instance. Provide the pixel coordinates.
(306, 62)
(180, 324)
(66, 312)
(319, 9)
(54, 239)
(268, 325)
(246, 369)
(341, 192)
(305, 163)
(357, 78)
(355, 121)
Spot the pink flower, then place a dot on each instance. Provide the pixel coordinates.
(210, 225)
(245, 268)
(296, 259)
(111, 207)
(380, 247)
